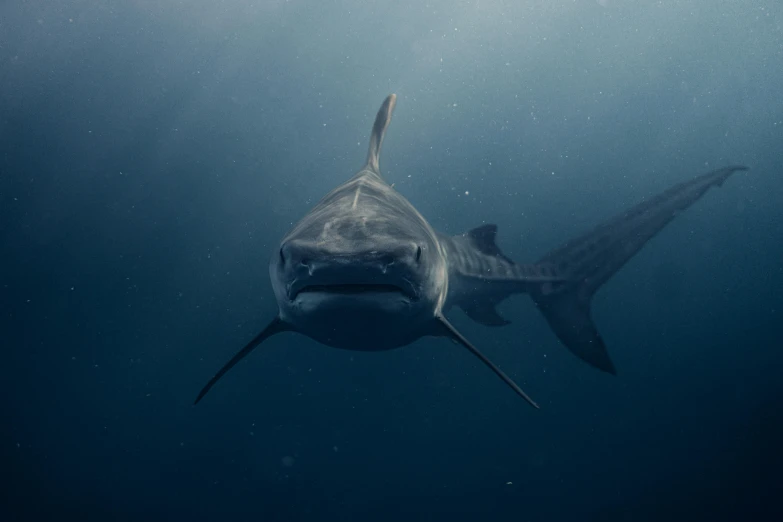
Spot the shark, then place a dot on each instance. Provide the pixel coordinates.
(364, 270)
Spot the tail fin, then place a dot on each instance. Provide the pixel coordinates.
(588, 261)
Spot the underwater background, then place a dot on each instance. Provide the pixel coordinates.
(154, 152)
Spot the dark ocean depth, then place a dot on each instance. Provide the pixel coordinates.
(154, 152)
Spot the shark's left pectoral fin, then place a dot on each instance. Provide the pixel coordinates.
(276, 326)
(443, 328)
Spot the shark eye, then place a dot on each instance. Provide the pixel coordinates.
(418, 253)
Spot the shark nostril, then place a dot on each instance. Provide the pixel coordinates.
(386, 262)
(306, 265)
(418, 253)
(282, 255)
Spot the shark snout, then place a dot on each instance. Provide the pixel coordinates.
(305, 254)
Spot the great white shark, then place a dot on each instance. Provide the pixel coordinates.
(364, 270)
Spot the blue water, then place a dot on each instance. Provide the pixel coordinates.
(152, 154)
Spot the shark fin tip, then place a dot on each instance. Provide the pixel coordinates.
(274, 327)
(445, 329)
(382, 120)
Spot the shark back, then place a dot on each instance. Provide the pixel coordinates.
(364, 210)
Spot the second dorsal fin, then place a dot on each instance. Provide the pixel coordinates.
(483, 239)
(382, 120)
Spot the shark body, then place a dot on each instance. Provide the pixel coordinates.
(364, 270)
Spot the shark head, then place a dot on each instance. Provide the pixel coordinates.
(363, 260)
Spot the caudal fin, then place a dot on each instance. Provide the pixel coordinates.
(590, 260)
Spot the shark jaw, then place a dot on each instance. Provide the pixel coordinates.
(349, 312)
(349, 316)
(355, 289)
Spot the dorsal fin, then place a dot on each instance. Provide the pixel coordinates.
(483, 238)
(382, 120)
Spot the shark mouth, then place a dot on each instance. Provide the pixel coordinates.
(355, 289)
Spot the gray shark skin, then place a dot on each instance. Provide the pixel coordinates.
(364, 270)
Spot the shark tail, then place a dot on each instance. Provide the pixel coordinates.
(588, 261)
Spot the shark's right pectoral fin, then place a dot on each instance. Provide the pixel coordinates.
(443, 328)
(276, 326)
